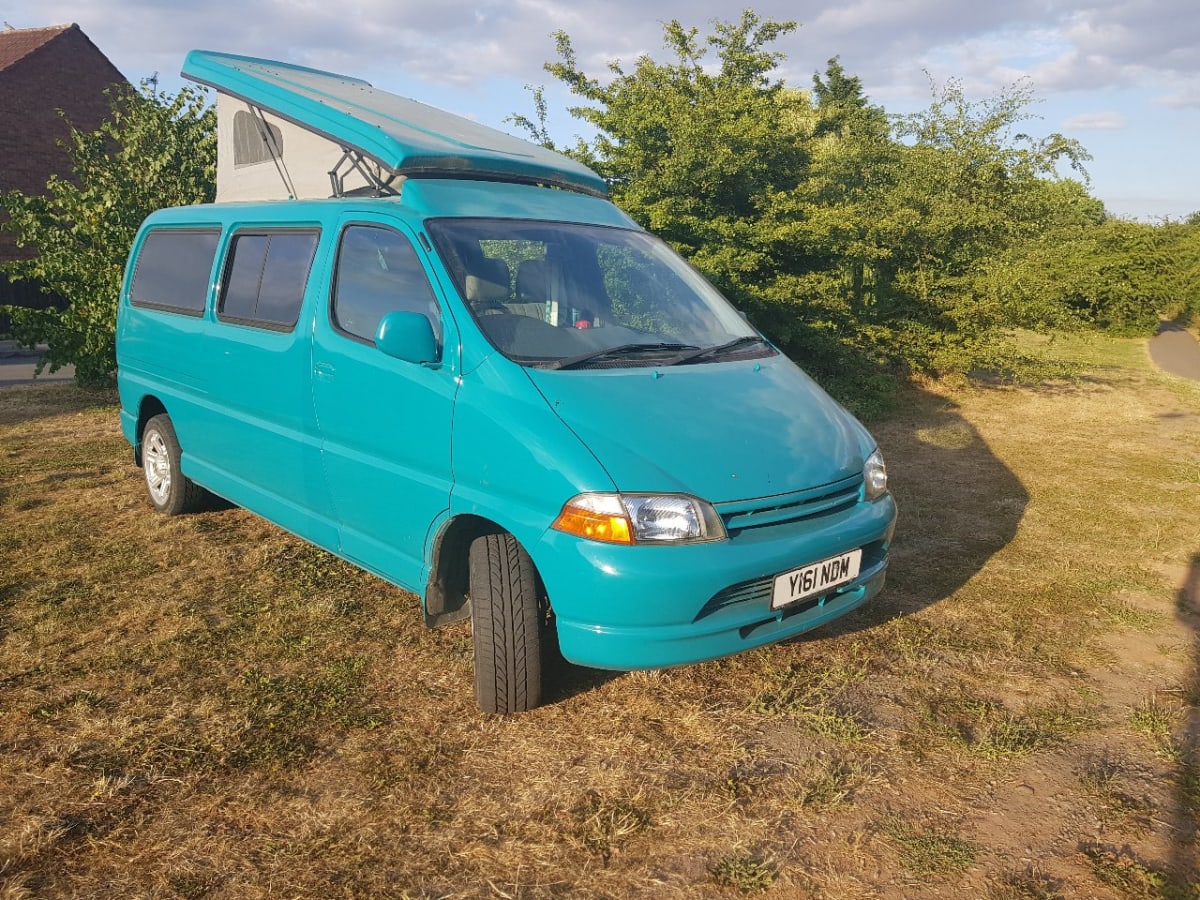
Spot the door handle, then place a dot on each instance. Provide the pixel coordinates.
(323, 370)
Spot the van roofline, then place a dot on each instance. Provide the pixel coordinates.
(420, 199)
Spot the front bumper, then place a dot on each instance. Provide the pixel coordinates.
(639, 607)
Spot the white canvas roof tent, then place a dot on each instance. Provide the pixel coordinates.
(286, 131)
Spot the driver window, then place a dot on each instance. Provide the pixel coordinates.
(378, 272)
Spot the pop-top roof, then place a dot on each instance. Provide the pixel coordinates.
(403, 136)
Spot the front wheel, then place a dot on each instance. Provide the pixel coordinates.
(507, 621)
(171, 492)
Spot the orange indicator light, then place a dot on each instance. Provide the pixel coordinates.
(594, 525)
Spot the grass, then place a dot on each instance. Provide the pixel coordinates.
(602, 824)
(208, 707)
(930, 852)
(1025, 884)
(1116, 808)
(818, 695)
(1155, 718)
(1134, 879)
(745, 873)
(985, 727)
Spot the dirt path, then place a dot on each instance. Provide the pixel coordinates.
(1174, 350)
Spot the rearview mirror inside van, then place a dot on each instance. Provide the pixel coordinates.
(407, 336)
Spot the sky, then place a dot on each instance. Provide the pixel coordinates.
(1120, 76)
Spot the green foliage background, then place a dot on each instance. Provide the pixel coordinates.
(868, 246)
(154, 150)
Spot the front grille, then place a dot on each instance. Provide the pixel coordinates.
(757, 592)
(740, 515)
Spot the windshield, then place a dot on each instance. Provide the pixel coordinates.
(557, 295)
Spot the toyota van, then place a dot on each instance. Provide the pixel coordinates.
(443, 355)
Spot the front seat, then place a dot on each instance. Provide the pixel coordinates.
(533, 289)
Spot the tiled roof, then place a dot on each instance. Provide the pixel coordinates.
(43, 71)
(17, 43)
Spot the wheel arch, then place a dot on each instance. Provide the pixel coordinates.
(447, 592)
(149, 407)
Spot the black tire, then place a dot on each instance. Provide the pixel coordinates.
(507, 622)
(170, 491)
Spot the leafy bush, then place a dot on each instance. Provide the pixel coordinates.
(154, 150)
(867, 246)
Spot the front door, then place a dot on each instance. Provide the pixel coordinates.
(385, 424)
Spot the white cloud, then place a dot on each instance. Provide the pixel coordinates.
(1138, 56)
(1186, 98)
(1062, 45)
(1095, 121)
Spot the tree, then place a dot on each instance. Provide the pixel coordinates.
(154, 150)
(842, 106)
(852, 169)
(863, 244)
(688, 150)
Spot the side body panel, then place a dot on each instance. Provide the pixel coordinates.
(258, 443)
(385, 434)
(515, 462)
(238, 395)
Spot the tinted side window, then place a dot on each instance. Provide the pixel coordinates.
(174, 268)
(378, 272)
(265, 277)
(243, 275)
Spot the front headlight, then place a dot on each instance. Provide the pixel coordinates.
(874, 476)
(640, 518)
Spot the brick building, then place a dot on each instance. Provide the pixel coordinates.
(42, 71)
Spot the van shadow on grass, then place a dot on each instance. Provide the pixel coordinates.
(959, 505)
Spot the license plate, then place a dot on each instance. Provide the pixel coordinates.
(816, 578)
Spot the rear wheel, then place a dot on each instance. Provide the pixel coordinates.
(170, 491)
(507, 620)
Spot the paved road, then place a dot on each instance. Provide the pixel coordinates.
(16, 367)
(1174, 350)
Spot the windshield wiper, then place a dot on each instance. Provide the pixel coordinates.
(735, 344)
(574, 362)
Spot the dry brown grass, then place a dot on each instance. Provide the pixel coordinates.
(206, 707)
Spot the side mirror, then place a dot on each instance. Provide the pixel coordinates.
(407, 336)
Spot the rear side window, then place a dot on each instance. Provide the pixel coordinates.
(174, 269)
(265, 277)
(378, 272)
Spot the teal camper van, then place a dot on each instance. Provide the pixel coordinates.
(442, 354)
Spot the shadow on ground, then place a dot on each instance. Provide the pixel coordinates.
(959, 505)
(1187, 785)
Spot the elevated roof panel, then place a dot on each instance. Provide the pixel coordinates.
(402, 135)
